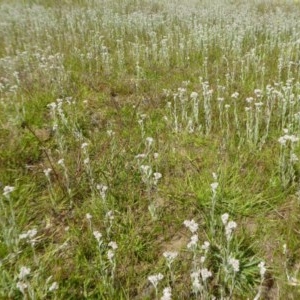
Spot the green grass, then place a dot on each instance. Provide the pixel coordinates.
(117, 67)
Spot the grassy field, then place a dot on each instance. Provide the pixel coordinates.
(149, 149)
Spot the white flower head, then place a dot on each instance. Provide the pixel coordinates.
(229, 228)
(262, 269)
(191, 225)
(110, 215)
(214, 187)
(205, 274)
(155, 279)
(7, 190)
(149, 141)
(110, 255)
(235, 95)
(53, 287)
(84, 145)
(61, 162)
(170, 256)
(22, 286)
(113, 245)
(156, 177)
(294, 157)
(24, 272)
(205, 246)
(97, 235)
(47, 172)
(284, 247)
(193, 242)
(225, 218)
(196, 281)
(234, 263)
(110, 133)
(167, 294)
(88, 216)
(146, 170)
(32, 233)
(102, 190)
(194, 95)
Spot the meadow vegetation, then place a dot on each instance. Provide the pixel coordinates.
(149, 149)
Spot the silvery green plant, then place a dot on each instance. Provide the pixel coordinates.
(183, 110)
(288, 159)
(207, 98)
(150, 176)
(8, 224)
(106, 253)
(154, 280)
(200, 274)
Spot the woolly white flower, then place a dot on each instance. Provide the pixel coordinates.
(146, 170)
(257, 92)
(205, 274)
(225, 218)
(88, 216)
(234, 263)
(191, 225)
(47, 172)
(155, 279)
(61, 162)
(167, 294)
(214, 186)
(262, 269)
(231, 225)
(292, 138)
(113, 245)
(193, 242)
(196, 282)
(205, 245)
(110, 133)
(156, 176)
(258, 104)
(102, 190)
(294, 157)
(7, 190)
(170, 256)
(149, 140)
(110, 215)
(235, 95)
(22, 286)
(52, 105)
(97, 235)
(194, 95)
(84, 145)
(53, 287)
(24, 272)
(110, 255)
(32, 233)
